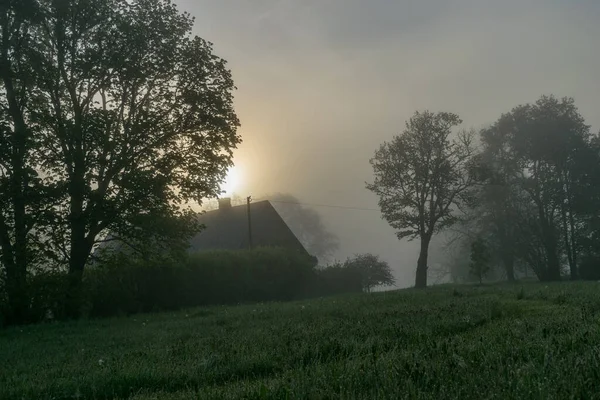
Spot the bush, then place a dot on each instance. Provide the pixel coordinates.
(126, 286)
(132, 286)
(589, 268)
(335, 279)
(47, 295)
(123, 285)
(374, 272)
(264, 274)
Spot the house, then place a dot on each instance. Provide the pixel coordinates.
(228, 228)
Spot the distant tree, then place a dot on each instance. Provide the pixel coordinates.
(373, 271)
(129, 117)
(480, 259)
(307, 225)
(422, 178)
(542, 152)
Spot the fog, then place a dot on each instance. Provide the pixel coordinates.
(321, 83)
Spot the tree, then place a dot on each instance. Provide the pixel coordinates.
(586, 203)
(131, 117)
(23, 200)
(422, 178)
(480, 259)
(539, 148)
(498, 198)
(373, 271)
(307, 225)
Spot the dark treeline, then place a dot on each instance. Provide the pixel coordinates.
(520, 197)
(125, 284)
(113, 117)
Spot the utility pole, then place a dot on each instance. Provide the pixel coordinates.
(248, 200)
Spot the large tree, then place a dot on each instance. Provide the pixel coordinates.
(23, 200)
(133, 117)
(422, 178)
(543, 151)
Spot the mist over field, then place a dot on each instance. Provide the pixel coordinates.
(321, 84)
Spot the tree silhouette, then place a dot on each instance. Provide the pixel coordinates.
(130, 116)
(542, 152)
(480, 259)
(422, 177)
(373, 271)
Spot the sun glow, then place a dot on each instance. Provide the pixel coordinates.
(232, 181)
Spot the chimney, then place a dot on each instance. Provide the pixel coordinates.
(224, 203)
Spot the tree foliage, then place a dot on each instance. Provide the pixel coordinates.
(423, 177)
(373, 271)
(121, 114)
(539, 158)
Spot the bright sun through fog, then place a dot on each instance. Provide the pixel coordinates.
(232, 181)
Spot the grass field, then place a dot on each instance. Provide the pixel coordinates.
(530, 341)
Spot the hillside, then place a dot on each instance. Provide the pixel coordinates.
(522, 341)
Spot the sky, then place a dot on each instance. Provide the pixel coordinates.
(322, 83)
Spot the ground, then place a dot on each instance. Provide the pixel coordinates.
(532, 341)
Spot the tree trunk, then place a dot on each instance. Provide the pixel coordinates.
(78, 257)
(507, 247)
(19, 275)
(509, 266)
(574, 268)
(16, 279)
(16, 269)
(421, 277)
(79, 245)
(552, 272)
(568, 237)
(553, 267)
(74, 293)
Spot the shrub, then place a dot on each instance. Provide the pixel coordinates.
(125, 286)
(132, 286)
(480, 259)
(335, 279)
(47, 295)
(263, 274)
(373, 271)
(589, 267)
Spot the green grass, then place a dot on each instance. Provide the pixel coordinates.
(528, 341)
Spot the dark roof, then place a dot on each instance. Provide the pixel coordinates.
(227, 228)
